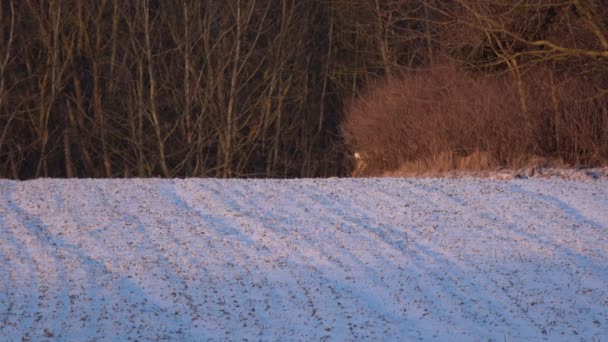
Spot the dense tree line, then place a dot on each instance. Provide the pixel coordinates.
(246, 88)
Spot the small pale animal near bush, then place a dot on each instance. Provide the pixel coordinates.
(360, 165)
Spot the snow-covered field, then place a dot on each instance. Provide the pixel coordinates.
(335, 259)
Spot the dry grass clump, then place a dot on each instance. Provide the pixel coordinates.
(446, 119)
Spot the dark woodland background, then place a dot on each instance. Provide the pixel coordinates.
(291, 88)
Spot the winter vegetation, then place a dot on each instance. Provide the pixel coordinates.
(414, 134)
(282, 88)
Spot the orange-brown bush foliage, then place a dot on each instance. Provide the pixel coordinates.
(445, 119)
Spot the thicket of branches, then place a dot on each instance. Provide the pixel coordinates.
(502, 84)
(243, 88)
(165, 88)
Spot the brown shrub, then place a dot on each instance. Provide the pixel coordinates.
(445, 119)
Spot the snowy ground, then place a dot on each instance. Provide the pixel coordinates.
(580, 174)
(351, 259)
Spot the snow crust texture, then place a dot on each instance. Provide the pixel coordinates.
(335, 259)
